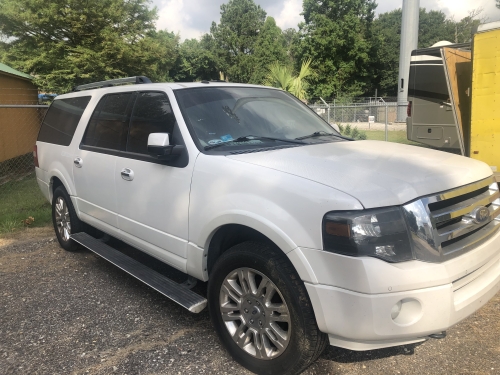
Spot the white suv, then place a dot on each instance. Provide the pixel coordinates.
(304, 236)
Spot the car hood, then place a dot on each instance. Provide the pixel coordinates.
(376, 173)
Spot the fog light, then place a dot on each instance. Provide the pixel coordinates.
(406, 312)
(396, 309)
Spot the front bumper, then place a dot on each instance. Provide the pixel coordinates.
(353, 301)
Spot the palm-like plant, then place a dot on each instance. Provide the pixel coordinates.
(279, 76)
(282, 76)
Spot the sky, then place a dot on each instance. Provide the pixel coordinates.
(192, 18)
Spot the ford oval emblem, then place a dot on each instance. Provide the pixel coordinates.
(480, 214)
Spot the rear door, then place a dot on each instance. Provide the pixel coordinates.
(153, 195)
(95, 160)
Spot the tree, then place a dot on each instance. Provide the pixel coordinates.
(433, 26)
(235, 38)
(195, 61)
(270, 46)
(463, 29)
(300, 83)
(282, 76)
(336, 36)
(387, 35)
(68, 42)
(291, 37)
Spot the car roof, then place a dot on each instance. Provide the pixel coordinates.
(157, 86)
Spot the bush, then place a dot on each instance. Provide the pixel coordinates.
(355, 133)
(347, 130)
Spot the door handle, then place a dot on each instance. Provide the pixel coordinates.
(78, 162)
(127, 174)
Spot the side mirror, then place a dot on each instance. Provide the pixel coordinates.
(159, 144)
(336, 127)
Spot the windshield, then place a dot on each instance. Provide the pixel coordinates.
(238, 118)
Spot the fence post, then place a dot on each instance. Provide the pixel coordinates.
(327, 108)
(386, 124)
(334, 118)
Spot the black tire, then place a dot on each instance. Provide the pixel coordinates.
(306, 341)
(75, 224)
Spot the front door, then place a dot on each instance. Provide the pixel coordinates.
(152, 196)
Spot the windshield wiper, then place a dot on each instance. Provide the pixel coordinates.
(248, 138)
(323, 133)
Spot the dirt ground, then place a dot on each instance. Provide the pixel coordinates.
(73, 313)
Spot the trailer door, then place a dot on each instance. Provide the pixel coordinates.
(458, 70)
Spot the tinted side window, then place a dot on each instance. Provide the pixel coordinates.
(108, 125)
(152, 114)
(61, 120)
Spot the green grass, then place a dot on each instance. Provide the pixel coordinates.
(20, 199)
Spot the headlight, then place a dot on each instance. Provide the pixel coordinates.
(379, 233)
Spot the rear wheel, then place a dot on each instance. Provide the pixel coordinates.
(262, 312)
(64, 219)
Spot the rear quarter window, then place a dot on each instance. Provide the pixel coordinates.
(61, 120)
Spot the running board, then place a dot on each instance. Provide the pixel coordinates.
(176, 292)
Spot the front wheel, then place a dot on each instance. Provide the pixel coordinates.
(262, 312)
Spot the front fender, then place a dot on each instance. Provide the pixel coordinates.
(285, 208)
(251, 220)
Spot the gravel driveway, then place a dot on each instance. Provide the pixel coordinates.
(73, 313)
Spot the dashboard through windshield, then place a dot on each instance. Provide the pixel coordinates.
(236, 118)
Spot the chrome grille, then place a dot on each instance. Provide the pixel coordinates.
(451, 223)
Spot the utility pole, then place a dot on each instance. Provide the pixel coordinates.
(409, 42)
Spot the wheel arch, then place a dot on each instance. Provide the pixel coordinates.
(229, 235)
(56, 180)
(233, 228)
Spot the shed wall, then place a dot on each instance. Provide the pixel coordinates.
(18, 126)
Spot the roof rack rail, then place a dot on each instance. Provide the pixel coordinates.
(113, 82)
(213, 80)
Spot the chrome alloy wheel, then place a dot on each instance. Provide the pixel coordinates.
(63, 221)
(255, 313)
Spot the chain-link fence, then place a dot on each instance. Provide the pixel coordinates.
(20, 119)
(20, 196)
(371, 119)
